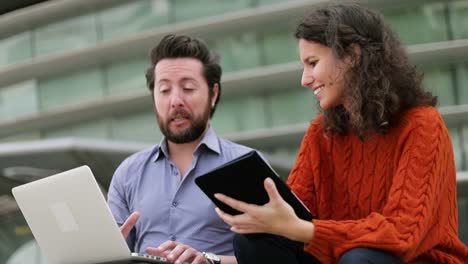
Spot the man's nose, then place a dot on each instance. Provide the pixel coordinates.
(176, 98)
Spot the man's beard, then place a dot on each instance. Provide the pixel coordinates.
(189, 134)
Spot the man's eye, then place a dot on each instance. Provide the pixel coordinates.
(313, 63)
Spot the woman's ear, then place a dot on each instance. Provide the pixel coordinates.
(354, 56)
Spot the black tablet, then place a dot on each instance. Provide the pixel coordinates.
(242, 179)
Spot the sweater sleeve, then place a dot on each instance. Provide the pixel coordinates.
(425, 176)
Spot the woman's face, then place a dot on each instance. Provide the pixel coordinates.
(323, 73)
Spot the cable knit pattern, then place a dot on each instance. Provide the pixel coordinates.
(394, 192)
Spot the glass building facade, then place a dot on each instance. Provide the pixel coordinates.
(94, 59)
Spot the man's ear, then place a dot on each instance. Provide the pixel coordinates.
(215, 94)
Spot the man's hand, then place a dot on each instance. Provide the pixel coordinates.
(129, 224)
(178, 253)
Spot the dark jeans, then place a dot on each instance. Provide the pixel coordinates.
(270, 249)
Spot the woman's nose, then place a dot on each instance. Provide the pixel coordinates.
(306, 79)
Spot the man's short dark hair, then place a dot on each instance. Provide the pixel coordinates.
(181, 46)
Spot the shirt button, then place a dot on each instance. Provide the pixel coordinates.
(173, 237)
(174, 204)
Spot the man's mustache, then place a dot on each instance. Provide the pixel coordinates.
(180, 113)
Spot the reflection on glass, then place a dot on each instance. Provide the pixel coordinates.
(279, 46)
(226, 119)
(14, 235)
(286, 154)
(267, 2)
(439, 81)
(463, 218)
(65, 35)
(459, 18)
(27, 253)
(189, 9)
(30, 135)
(240, 113)
(293, 106)
(18, 100)
(132, 17)
(465, 151)
(127, 76)
(457, 148)
(141, 127)
(91, 129)
(252, 111)
(74, 88)
(462, 83)
(238, 52)
(419, 25)
(16, 48)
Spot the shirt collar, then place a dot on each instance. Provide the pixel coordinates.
(209, 140)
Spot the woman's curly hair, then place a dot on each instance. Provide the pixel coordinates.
(381, 83)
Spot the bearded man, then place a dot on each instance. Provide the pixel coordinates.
(153, 196)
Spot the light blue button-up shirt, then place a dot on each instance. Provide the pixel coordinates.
(172, 207)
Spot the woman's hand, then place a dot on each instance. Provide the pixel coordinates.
(276, 217)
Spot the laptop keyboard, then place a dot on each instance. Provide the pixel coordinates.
(145, 256)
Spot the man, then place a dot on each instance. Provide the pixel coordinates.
(152, 195)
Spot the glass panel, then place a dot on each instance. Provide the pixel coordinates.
(189, 9)
(457, 147)
(15, 48)
(67, 35)
(239, 114)
(465, 147)
(288, 154)
(280, 46)
(462, 84)
(459, 18)
(226, 119)
(439, 82)
(73, 88)
(408, 23)
(92, 129)
(136, 127)
(251, 111)
(28, 253)
(18, 100)
(128, 76)
(238, 52)
(33, 135)
(134, 16)
(293, 106)
(14, 235)
(463, 219)
(267, 2)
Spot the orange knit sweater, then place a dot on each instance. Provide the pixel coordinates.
(394, 192)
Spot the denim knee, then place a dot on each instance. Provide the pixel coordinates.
(368, 255)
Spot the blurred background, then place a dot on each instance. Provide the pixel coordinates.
(72, 86)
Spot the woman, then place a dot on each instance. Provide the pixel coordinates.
(376, 167)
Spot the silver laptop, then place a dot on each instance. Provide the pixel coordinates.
(71, 222)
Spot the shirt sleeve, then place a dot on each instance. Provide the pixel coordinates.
(424, 178)
(116, 199)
